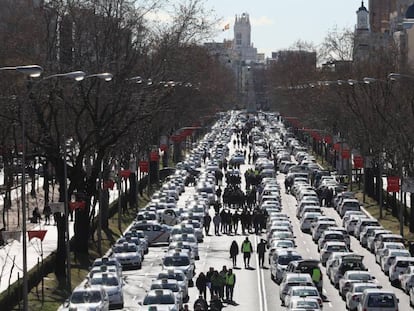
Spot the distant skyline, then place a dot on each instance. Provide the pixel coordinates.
(278, 24)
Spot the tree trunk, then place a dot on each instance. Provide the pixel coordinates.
(133, 190)
(60, 264)
(104, 209)
(82, 230)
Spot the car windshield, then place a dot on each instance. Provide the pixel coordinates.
(359, 276)
(108, 281)
(284, 260)
(360, 289)
(173, 286)
(85, 297)
(176, 261)
(125, 249)
(381, 300)
(159, 300)
(337, 248)
(177, 276)
(304, 292)
(304, 304)
(286, 243)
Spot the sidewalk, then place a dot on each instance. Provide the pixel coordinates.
(11, 260)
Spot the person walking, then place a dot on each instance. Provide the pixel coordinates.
(230, 282)
(209, 274)
(218, 193)
(261, 250)
(234, 251)
(200, 304)
(222, 274)
(47, 211)
(216, 304)
(217, 222)
(215, 283)
(246, 249)
(207, 222)
(201, 284)
(317, 278)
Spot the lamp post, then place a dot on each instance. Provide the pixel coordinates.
(31, 71)
(77, 76)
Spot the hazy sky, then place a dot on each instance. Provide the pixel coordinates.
(277, 24)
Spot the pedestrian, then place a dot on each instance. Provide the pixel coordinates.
(201, 284)
(218, 193)
(230, 282)
(234, 251)
(207, 222)
(235, 221)
(215, 283)
(209, 274)
(222, 274)
(200, 304)
(317, 278)
(217, 222)
(36, 215)
(47, 211)
(216, 304)
(246, 249)
(261, 250)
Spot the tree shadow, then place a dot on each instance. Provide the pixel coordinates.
(110, 235)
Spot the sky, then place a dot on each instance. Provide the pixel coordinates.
(278, 24)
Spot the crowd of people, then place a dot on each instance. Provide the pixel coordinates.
(220, 286)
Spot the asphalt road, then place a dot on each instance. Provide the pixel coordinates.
(254, 288)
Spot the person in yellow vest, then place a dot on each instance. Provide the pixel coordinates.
(317, 278)
(230, 282)
(246, 249)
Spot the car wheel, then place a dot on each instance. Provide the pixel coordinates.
(190, 283)
(186, 299)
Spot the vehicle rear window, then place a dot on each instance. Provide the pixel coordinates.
(381, 300)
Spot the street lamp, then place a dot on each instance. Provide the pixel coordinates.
(33, 71)
(77, 76)
(30, 71)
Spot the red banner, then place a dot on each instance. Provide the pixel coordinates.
(393, 184)
(164, 147)
(124, 173)
(108, 184)
(346, 154)
(143, 166)
(337, 147)
(40, 234)
(154, 156)
(358, 161)
(77, 205)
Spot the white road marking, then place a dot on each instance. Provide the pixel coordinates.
(260, 283)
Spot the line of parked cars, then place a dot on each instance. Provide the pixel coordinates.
(344, 268)
(161, 221)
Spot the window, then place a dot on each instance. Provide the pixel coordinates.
(238, 38)
(381, 300)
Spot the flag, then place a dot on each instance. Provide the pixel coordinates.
(226, 27)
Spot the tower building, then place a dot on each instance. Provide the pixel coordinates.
(242, 39)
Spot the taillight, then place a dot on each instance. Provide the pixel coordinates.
(355, 298)
(320, 301)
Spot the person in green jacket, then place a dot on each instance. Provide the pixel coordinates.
(246, 249)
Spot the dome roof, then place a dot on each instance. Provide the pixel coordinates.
(410, 12)
(362, 8)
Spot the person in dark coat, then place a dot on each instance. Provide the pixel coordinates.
(207, 222)
(201, 284)
(234, 251)
(261, 250)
